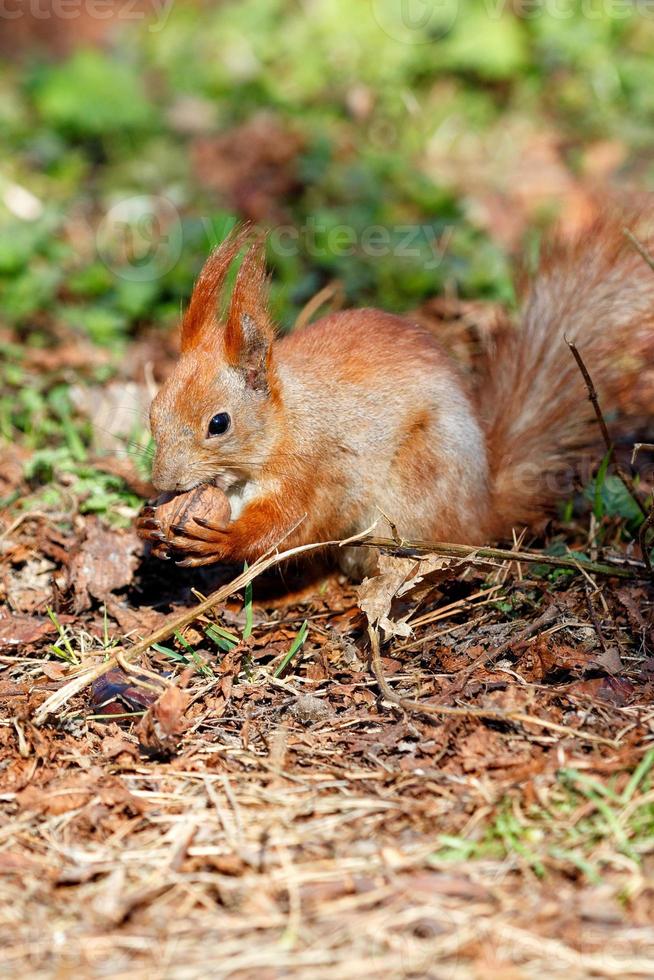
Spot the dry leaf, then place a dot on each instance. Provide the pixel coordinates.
(62, 797)
(106, 560)
(163, 723)
(20, 631)
(398, 577)
(29, 588)
(12, 461)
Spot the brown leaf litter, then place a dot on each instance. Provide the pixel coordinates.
(105, 560)
(210, 817)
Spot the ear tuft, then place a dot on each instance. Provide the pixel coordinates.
(201, 312)
(248, 333)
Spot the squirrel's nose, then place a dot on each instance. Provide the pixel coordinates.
(165, 485)
(166, 475)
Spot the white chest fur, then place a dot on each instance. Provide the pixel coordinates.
(240, 495)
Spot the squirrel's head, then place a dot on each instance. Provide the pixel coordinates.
(214, 419)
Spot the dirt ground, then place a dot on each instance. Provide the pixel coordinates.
(189, 813)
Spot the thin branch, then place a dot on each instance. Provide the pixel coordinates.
(592, 394)
(332, 294)
(649, 520)
(648, 258)
(637, 448)
(610, 448)
(593, 614)
(472, 554)
(644, 253)
(642, 539)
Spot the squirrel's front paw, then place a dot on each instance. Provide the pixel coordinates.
(149, 529)
(201, 542)
(187, 524)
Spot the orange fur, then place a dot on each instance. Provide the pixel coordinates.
(248, 299)
(598, 292)
(361, 414)
(202, 308)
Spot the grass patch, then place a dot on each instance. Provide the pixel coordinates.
(585, 824)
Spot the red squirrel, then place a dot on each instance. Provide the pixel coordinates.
(316, 434)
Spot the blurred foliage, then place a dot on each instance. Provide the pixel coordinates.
(93, 142)
(91, 96)
(96, 128)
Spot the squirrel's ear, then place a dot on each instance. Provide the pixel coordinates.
(200, 316)
(248, 332)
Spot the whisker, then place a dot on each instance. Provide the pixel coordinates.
(139, 411)
(136, 451)
(146, 449)
(122, 453)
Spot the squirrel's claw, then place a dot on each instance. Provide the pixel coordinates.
(149, 531)
(148, 524)
(162, 553)
(196, 560)
(200, 533)
(152, 534)
(209, 525)
(191, 544)
(199, 546)
(179, 530)
(199, 530)
(194, 546)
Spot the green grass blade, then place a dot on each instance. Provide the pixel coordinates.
(637, 776)
(223, 639)
(295, 646)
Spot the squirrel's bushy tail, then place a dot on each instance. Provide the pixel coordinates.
(599, 293)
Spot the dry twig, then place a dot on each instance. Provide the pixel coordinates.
(332, 294)
(647, 257)
(649, 520)
(474, 554)
(644, 253)
(610, 448)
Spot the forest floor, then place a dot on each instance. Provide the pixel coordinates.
(241, 792)
(241, 798)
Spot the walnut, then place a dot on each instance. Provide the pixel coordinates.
(206, 502)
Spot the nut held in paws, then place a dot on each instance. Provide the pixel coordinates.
(205, 502)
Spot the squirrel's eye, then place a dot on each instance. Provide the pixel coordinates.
(219, 424)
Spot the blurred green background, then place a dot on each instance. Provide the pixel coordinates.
(405, 149)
